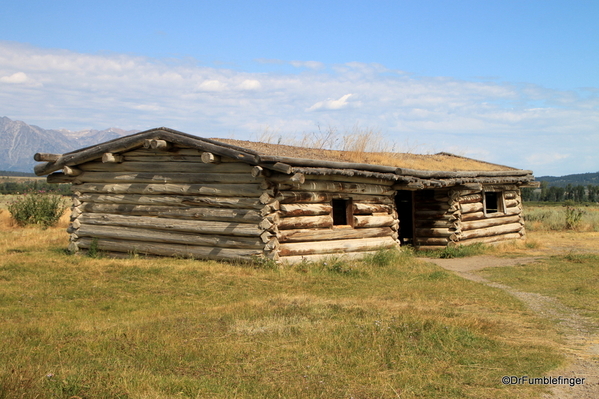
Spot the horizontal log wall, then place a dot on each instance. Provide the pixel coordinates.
(305, 227)
(474, 226)
(178, 202)
(456, 216)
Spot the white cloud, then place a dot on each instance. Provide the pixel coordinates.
(58, 88)
(212, 85)
(250, 84)
(331, 104)
(18, 77)
(546, 158)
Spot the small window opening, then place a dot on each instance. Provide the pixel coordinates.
(493, 202)
(341, 212)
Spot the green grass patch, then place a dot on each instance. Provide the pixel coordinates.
(571, 278)
(390, 326)
(457, 251)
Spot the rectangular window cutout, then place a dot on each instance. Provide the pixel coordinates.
(342, 212)
(493, 201)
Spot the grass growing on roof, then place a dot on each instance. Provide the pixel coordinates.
(172, 328)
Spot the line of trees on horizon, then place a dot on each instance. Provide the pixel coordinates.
(578, 193)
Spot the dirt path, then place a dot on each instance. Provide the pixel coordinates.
(580, 333)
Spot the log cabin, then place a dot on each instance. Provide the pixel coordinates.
(167, 193)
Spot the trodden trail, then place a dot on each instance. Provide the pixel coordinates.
(581, 339)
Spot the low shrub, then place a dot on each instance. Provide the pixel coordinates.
(37, 209)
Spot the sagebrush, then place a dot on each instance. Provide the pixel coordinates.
(37, 209)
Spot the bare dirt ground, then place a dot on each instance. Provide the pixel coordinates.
(581, 338)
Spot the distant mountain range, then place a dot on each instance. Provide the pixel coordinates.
(20, 141)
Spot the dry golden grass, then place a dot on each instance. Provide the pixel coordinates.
(357, 145)
(75, 326)
(444, 162)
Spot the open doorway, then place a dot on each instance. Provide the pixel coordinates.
(404, 203)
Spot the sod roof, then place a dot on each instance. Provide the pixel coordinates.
(441, 161)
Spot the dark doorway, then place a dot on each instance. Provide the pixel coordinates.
(404, 202)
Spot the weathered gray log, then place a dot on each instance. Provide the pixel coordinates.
(360, 208)
(409, 186)
(272, 245)
(472, 186)
(373, 221)
(161, 158)
(295, 178)
(479, 224)
(161, 236)
(434, 232)
(280, 167)
(473, 207)
(71, 171)
(189, 213)
(511, 203)
(433, 223)
(327, 164)
(180, 201)
(175, 151)
(290, 210)
(175, 178)
(59, 177)
(208, 157)
(286, 197)
(350, 179)
(306, 222)
(302, 235)
(233, 190)
(432, 174)
(480, 215)
(430, 214)
(109, 157)
(257, 171)
(469, 199)
(492, 239)
(339, 187)
(160, 145)
(337, 174)
(336, 246)
(167, 167)
(192, 226)
(44, 157)
(141, 247)
(491, 231)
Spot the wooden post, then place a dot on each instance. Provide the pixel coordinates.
(43, 157)
(160, 145)
(69, 171)
(208, 157)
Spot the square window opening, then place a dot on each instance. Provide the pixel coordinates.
(493, 202)
(342, 212)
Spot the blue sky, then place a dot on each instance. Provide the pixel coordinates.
(512, 82)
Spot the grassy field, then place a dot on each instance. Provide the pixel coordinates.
(391, 327)
(572, 278)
